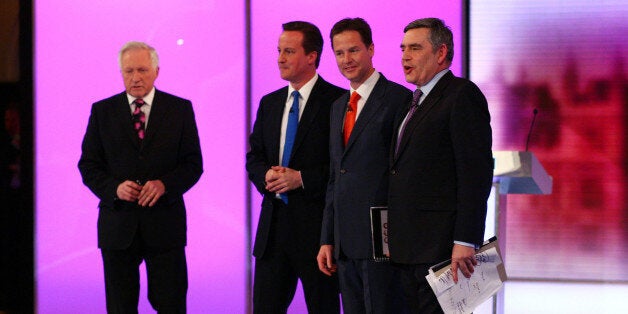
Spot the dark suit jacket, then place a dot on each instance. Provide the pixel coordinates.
(112, 153)
(441, 178)
(301, 223)
(359, 172)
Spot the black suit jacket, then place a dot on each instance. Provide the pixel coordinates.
(301, 223)
(441, 178)
(112, 153)
(359, 171)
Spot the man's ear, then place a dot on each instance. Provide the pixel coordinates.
(442, 54)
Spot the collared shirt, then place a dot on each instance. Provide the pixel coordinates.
(304, 92)
(148, 101)
(365, 91)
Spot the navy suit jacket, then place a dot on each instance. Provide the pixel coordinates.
(301, 223)
(112, 153)
(441, 178)
(359, 171)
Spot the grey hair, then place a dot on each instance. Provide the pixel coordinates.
(440, 34)
(133, 45)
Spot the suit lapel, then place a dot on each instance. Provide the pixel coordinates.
(337, 122)
(158, 114)
(275, 116)
(426, 106)
(371, 107)
(309, 114)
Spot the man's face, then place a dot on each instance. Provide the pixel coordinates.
(138, 72)
(354, 59)
(295, 66)
(420, 62)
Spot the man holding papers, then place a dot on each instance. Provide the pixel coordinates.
(441, 166)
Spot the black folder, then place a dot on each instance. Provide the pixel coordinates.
(379, 233)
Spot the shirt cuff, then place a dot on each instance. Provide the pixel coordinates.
(466, 244)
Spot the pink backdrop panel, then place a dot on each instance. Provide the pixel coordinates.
(201, 52)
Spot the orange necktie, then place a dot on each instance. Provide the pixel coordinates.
(352, 110)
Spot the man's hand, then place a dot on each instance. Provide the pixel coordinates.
(151, 192)
(462, 257)
(282, 179)
(128, 191)
(325, 260)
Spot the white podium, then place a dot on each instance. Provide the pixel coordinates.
(515, 172)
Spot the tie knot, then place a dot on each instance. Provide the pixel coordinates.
(139, 102)
(296, 94)
(353, 101)
(416, 96)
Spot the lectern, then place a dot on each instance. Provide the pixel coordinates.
(515, 172)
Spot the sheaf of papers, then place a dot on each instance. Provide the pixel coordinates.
(468, 293)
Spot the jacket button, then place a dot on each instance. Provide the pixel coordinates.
(393, 171)
(343, 171)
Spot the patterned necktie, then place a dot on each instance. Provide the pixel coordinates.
(291, 132)
(139, 119)
(415, 105)
(352, 111)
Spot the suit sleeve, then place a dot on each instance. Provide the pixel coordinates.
(93, 165)
(256, 161)
(327, 229)
(190, 160)
(472, 140)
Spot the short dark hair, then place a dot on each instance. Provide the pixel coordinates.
(357, 24)
(312, 38)
(439, 34)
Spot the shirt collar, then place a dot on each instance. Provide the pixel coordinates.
(305, 90)
(148, 99)
(427, 88)
(366, 88)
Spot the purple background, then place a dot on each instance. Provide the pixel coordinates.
(202, 50)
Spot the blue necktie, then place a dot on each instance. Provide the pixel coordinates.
(291, 132)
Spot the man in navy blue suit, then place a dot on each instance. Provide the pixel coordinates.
(292, 181)
(441, 166)
(140, 154)
(361, 131)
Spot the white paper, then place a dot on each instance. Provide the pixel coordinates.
(468, 293)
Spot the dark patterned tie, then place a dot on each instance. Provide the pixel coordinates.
(139, 119)
(415, 105)
(291, 132)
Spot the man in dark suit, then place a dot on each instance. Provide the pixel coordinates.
(441, 166)
(361, 131)
(140, 154)
(288, 163)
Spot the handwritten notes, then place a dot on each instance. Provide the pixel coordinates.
(468, 293)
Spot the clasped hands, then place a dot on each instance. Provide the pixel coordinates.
(145, 195)
(280, 179)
